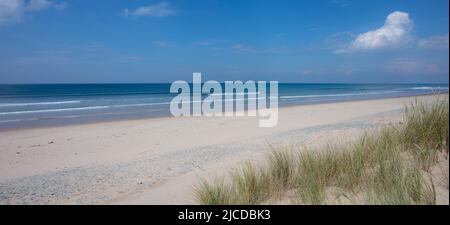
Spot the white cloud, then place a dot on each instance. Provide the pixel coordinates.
(13, 11)
(394, 33)
(60, 6)
(162, 9)
(38, 5)
(434, 42)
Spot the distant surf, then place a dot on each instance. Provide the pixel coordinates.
(430, 88)
(339, 95)
(24, 106)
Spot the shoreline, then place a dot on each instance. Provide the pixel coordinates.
(137, 161)
(149, 118)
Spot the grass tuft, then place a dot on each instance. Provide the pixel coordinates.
(391, 166)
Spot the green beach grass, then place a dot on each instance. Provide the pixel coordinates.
(390, 166)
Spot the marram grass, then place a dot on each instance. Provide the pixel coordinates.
(390, 166)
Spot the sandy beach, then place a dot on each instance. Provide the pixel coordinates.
(158, 161)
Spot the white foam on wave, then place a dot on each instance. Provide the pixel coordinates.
(167, 103)
(429, 88)
(231, 94)
(69, 116)
(111, 106)
(80, 108)
(38, 103)
(10, 121)
(339, 95)
(53, 110)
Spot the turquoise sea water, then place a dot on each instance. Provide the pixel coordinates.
(23, 106)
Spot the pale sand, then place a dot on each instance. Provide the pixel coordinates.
(158, 161)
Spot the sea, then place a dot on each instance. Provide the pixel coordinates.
(27, 106)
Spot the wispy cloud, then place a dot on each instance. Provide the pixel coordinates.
(335, 41)
(215, 45)
(123, 59)
(341, 3)
(205, 43)
(394, 33)
(38, 5)
(161, 44)
(338, 70)
(308, 72)
(346, 70)
(412, 66)
(238, 48)
(88, 53)
(162, 9)
(243, 49)
(60, 6)
(13, 11)
(434, 42)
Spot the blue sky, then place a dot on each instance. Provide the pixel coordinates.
(104, 41)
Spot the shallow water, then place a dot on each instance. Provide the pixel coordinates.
(23, 106)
